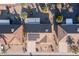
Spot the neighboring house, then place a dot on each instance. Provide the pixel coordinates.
(68, 28)
(11, 32)
(65, 30)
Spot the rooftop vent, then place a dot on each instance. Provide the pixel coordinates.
(12, 30)
(46, 30)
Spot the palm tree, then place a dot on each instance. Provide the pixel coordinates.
(4, 38)
(69, 41)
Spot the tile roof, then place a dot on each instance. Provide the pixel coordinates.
(44, 17)
(37, 28)
(7, 28)
(70, 28)
(64, 29)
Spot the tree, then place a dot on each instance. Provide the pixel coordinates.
(59, 19)
(74, 49)
(45, 9)
(69, 41)
(23, 4)
(24, 15)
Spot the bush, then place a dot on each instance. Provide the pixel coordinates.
(24, 15)
(59, 19)
(23, 4)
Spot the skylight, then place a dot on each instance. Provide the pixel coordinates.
(4, 22)
(69, 21)
(32, 20)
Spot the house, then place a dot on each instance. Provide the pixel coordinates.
(38, 33)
